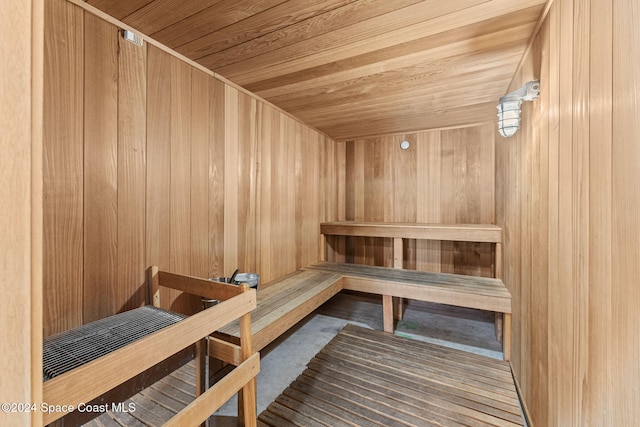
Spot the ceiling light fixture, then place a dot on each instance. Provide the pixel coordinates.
(509, 107)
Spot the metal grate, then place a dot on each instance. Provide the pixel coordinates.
(68, 350)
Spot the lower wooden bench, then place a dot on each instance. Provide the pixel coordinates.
(481, 293)
(284, 303)
(287, 301)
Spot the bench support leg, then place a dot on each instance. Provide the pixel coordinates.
(399, 307)
(498, 326)
(506, 336)
(398, 262)
(387, 313)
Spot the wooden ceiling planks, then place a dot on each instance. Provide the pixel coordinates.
(352, 68)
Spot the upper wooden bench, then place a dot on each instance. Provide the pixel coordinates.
(481, 233)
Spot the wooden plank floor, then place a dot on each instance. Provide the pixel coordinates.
(368, 378)
(156, 404)
(362, 377)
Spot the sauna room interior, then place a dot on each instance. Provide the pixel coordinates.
(339, 149)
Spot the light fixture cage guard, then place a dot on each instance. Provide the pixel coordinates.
(509, 107)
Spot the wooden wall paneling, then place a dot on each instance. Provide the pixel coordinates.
(486, 191)
(21, 81)
(574, 284)
(278, 178)
(326, 153)
(266, 125)
(625, 218)
(288, 245)
(158, 204)
(466, 205)
(528, 150)
(217, 158)
(331, 186)
(247, 181)
(341, 164)
(317, 205)
(132, 148)
(580, 203)
(100, 280)
(296, 135)
(565, 293)
(376, 197)
(231, 159)
(180, 183)
(302, 197)
(200, 104)
(428, 174)
(553, 302)
(404, 186)
(350, 195)
(360, 184)
(337, 190)
(428, 182)
(539, 325)
(600, 392)
(447, 194)
(282, 175)
(511, 234)
(34, 324)
(63, 167)
(307, 197)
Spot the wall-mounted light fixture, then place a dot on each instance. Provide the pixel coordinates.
(509, 107)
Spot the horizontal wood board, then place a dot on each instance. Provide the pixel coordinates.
(365, 378)
(284, 304)
(453, 232)
(459, 288)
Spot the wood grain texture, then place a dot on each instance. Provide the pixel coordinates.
(359, 60)
(63, 167)
(412, 230)
(625, 221)
(21, 231)
(563, 199)
(132, 151)
(365, 377)
(217, 179)
(442, 177)
(158, 210)
(203, 176)
(101, 169)
(199, 189)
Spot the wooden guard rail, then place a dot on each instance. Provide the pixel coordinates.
(93, 379)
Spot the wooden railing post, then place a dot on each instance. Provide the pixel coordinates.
(247, 401)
